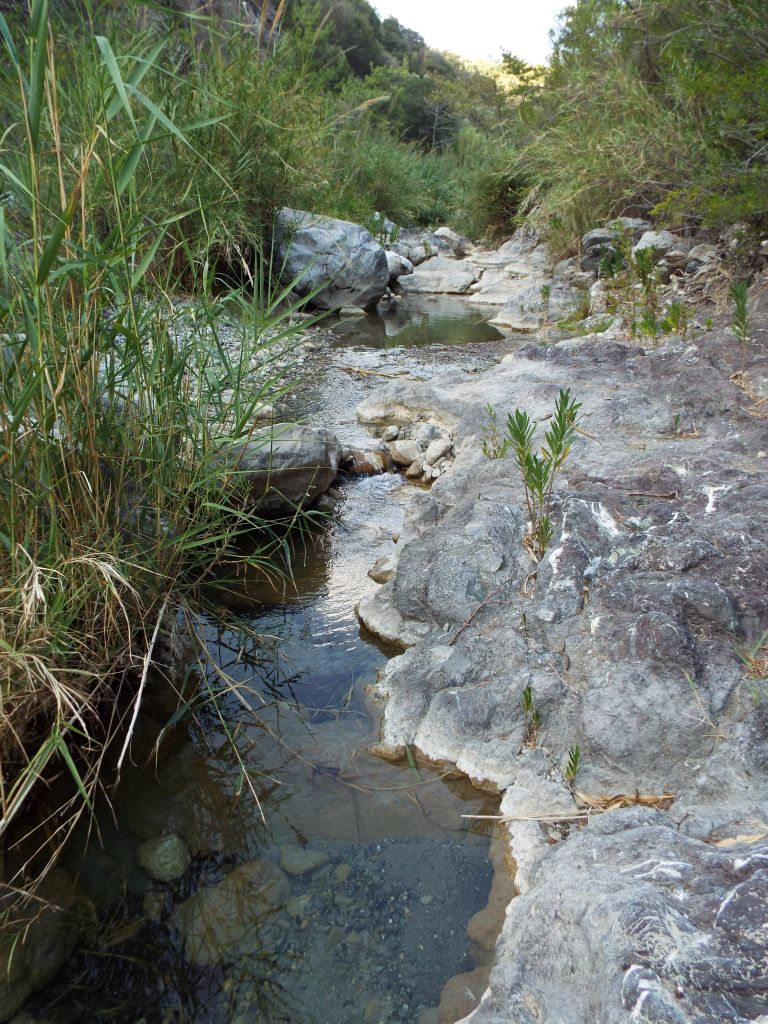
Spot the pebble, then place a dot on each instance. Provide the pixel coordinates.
(164, 858)
(342, 872)
(391, 433)
(298, 860)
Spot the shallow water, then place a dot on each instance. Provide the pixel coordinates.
(375, 929)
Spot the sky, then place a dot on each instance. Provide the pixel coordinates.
(482, 29)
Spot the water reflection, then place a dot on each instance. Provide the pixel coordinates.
(417, 322)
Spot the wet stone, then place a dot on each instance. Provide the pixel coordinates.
(165, 858)
(298, 860)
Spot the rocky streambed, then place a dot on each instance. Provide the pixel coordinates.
(609, 703)
(641, 871)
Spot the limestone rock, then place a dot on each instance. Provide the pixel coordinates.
(405, 451)
(335, 262)
(398, 266)
(660, 241)
(437, 449)
(284, 466)
(440, 275)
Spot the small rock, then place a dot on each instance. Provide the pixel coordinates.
(153, 904)
(390, 433)
(703, 253)
(351, 311)
(383, 569)
(436, 450)
(405, 452)
(325, 504)
(165, 858)
(660, 241)
(415, 470)
(426, 432)
(343, 871)
(298, 860)
(632, 225)
(598, 237)
(365, 461)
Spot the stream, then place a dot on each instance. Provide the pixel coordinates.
(326, 886)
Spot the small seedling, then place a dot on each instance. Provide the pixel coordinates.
(574, 764)
(740, 317)
(675, 320)
(493, 445)
(538, 471)
(532, 716)
(676, 418)
(648, 324)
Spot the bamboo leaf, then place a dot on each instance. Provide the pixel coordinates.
(10, 45)
(114, 73)
(63, 749)
(132, 159)
(149, 255)
(38, 32)
(144, 64)
(3, 254)
(154, 109)
(53, 244)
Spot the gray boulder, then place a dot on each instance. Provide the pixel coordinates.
(285, 466)
(418, 246)
(441, 275)
(660, 241)
(397, 265)
(335, 262)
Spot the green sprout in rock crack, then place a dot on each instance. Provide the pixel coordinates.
(574, 764)
(675, 320)
(532, 716)
(538, 471)
(493, 445)
(740, 316)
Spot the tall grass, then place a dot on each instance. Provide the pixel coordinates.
(115, 404)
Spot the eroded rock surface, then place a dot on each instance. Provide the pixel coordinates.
(634, 634)
(333, 262)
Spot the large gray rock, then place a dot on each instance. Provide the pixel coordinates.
(284, 466)
(441, 275)
(335, 262)
(631, 633)
(631, 921)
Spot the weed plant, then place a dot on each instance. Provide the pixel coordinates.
(538, 471)
(740, 316)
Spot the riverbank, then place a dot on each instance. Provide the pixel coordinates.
(640, 638)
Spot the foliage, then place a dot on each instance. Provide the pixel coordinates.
(116, 402)
(573, 766)
(493, 445)
(740, 316)
(538, 471)
(660, 105)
